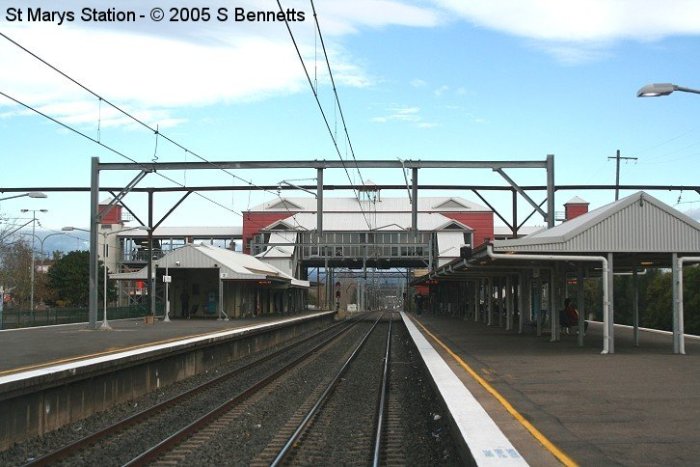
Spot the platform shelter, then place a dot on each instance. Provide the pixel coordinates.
(623, 237)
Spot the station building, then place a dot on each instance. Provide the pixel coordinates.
(369, 232)
(209, 281)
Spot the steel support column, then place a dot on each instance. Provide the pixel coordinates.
(550, 190)
(581, 305)
(151, 280)
(319, 202)
(635, 307)
(94, 221)
(553, 301)
(678, 344)
(509, 303)
(477, 299)
(414, 204)
(537, 299)
(489, 301)
(611, 305)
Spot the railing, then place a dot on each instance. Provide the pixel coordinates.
(16, 318)
(385, 245)
(141, 256)
(388, 250)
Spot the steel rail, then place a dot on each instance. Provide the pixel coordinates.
(173, 440)
(91, 439)
(285, 451)
(382, 400)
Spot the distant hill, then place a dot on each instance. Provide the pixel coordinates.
(58, 241)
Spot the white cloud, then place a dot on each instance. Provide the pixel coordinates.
(404, 114)
(441, 90)
(159, 68)
(427, 125)
(418, 83)
(343, 17)
(693, 213)
(576, 31)
(582, 21)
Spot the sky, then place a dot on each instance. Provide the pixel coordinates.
(426, 79)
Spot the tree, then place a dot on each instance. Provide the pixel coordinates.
(15, 270)
(658, 312)
(69, 277)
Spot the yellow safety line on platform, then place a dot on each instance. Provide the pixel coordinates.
(555, 451)
(98, 354)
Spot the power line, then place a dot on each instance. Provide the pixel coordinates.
(135, 119)
(323, 114)
(121, 154)
(618, 157)
(335, 92)
(110, 149)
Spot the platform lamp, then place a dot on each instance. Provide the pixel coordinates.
(33, 211)
(31, 194)
(663, 89)
(105, 324)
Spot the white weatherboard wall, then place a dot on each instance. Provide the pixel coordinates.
(487, 443)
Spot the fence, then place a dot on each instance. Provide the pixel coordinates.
(17, 318)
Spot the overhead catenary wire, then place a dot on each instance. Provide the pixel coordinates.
(138, 121)
(110, 149)
(121, 154)
(323, 114)
(335, 92)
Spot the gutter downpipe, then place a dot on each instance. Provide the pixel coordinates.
(679, 337)
(606, 274)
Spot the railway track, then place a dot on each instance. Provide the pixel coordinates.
(312, 441)
(350, 395)
(116, 434)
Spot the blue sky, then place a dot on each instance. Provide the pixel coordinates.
(441, 79)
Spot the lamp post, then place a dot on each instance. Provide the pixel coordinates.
(167, 279)
(31, 194)
(31, 296)
(105, 324)
(41, 248)
(41, 241)
(663, 89)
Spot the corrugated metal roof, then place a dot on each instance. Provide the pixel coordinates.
(285, 251)
(449, 243)
(383, 221)
(428, 204)
(504, 231)
(637, 223)
(576, 200)
(235, 265)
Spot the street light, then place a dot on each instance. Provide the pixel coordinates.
(41, 244)
(42, 240)
(31, 194)
(663, 89)
(31, 297)
(105, 324)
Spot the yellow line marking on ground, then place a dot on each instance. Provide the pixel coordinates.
(546, 443)
(99, 354)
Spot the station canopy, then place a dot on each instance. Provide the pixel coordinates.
(232, 265)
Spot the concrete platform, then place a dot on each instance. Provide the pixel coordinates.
(53, 376)
(639, 406)
(28, 348)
